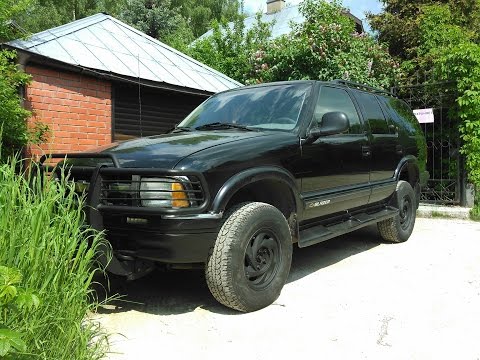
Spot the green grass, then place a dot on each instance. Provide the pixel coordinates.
(439, 215)
(42, 235)
(475, 213)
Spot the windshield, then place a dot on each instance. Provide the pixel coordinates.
(275, 107)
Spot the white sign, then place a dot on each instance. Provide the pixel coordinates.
(424, 116)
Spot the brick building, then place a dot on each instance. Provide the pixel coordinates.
(76, 108)
(98, 80)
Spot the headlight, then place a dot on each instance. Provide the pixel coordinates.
(163, 192)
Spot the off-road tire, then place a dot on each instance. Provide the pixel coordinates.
(399, 228)
(229, 267)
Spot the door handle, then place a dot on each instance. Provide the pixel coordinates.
(366, 151)
(393, 129)
(399, 149)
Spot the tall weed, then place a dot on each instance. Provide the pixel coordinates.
(42, 234)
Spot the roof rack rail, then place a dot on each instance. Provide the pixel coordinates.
(362, 87)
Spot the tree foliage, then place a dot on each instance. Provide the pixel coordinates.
(399, 23)
(13, 117)
(9, 10)
(14, 133)
(230, 47)
(13, 298)
(156, 18)
(324, 47)
(454, 54)
(45, 14)
(200, 15)
(177, 22)
(450, 48)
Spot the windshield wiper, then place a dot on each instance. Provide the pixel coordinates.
(181, 129)
(219, 125)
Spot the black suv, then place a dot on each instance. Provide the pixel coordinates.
(250, 172)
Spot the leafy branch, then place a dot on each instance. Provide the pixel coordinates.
(13, 299)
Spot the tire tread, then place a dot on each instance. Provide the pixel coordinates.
(388, 228)
(218, 271)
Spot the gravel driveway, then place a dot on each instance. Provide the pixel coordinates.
(349, 298)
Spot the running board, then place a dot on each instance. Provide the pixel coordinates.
(321, 233)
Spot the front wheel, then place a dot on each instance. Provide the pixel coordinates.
(251, 259)
(399, 228)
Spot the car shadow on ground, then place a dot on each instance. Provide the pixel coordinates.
(181, 291)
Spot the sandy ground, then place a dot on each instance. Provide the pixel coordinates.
(349, 298)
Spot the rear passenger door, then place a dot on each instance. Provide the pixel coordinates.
(384, 145)
(383, 138)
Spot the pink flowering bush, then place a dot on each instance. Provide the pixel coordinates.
(324, 47)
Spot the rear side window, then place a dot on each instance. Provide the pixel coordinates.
(402, 115)
(333, 99)
(372, 113)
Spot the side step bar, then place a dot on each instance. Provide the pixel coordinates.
(321, 233)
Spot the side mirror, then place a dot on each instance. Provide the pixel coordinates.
(335, 122)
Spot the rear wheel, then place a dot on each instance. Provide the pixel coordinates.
(399, 228)
(251, 259)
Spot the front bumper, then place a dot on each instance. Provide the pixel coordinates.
(136, 233)
(164, 240)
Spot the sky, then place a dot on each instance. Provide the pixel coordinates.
(357, 7)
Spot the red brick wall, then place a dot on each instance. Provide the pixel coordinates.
(76, 108)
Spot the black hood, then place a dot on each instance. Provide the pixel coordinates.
(165, 151)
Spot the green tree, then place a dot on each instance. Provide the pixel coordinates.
(324, 47)
(156, 18)
(200, 15)
(230, 47)
(9, 10)
(14, 133)
(45, 14)
(398, 25)
(451, 50)
(13, 117)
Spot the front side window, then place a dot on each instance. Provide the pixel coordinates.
(276, 107)
(333, 99)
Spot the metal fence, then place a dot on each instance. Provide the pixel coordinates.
(444, 161)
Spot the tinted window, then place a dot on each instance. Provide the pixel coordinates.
(402, 115)
(269, 107)
(372, 113)
(333, 99)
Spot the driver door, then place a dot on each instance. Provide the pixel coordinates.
(336, 167)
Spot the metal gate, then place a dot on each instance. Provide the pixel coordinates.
(444, 161)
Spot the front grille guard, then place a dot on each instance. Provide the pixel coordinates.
(98, 200)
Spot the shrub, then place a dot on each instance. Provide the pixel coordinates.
(12, 299)
(13, 117)
(42, 234)
(324, 47)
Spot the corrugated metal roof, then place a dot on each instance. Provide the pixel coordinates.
(103, 43)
